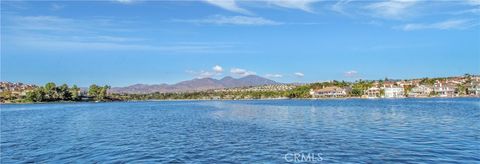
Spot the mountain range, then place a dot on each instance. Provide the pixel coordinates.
(196, 85)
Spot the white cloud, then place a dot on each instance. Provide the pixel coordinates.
(201, 74)
(299, 74)
(340, 5)
(56, 6)
(66, 34)
(467, 11)
(445, 25)
(392, 9)
(87, 43)
(125, 1)
(241, 72)
(233, 20)
(59, 44)
(305, 5)
(351, 73)
(205, 74)
(217, 69)
(273, 75)
(473, 2)
(230, 5)
(38, 23)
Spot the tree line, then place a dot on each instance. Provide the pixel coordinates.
(358, 88)
(51, 92)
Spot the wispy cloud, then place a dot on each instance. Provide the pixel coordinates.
(56, 6)
(473, 9)
(339, 7)
(473, 2)
(392, 9)
(305, 5)
(56, 24)
(229, 5)
(467, 11)
(201, 74)
(19, 5)
(66, 34)
(233, 20)
(273, 75)
(61, 44)
(351, 74)
(38, 23)
(232, 5)
(298, 74)
(216, 71)
(445, 25)
(126, 1)
(241, 72)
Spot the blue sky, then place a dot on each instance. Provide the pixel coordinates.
(127, 42)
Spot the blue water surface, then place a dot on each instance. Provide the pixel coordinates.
(256, 131)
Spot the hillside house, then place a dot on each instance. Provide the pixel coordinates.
(332, 91)
(420, 91)
(373, 92)
(394, 92)
(444, 89)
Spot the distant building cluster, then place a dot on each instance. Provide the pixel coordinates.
(462, 86)
(15, 89)
(331, 91)
(274, 87)
(436, 87)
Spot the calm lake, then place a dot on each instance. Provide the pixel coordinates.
(276, 131)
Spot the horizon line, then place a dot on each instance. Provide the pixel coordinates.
(357, 79)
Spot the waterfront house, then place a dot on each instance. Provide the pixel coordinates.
(420, 91)
(474, 88)
(332, 91)
(394, 92)
(373, 92)
(389, 84)
(444, 89)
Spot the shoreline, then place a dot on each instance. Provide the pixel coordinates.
(264, 99)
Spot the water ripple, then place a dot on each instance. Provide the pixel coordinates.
(342, 131)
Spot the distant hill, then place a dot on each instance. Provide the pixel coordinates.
(196, 85)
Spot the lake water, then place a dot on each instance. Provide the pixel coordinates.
(275, 131)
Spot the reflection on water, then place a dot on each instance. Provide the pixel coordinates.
(406, 130)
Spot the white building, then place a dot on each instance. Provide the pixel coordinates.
(332, 91)
(420, 91)
(474, 88)
(394, 92)
(373, 92)
(445, 90)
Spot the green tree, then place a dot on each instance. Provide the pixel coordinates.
(407, 89)
(93, 90)
(37, 95)
(360, 87)
(300, 92)
(102, 92)
(427, 81)
(356, 92)
(6, 95)
(75, 93)
(50, 91)
(461, 89)
(64, 92)
(98, 93)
